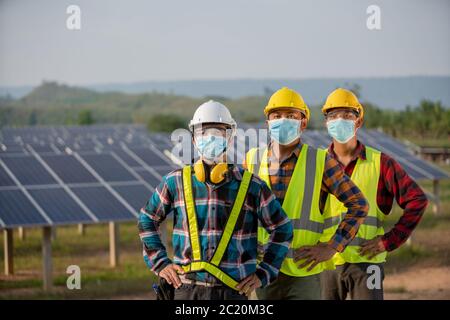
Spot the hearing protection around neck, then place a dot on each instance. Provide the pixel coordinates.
(216, 175)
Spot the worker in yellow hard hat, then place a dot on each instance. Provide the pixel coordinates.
(298, 175)
(359, 272)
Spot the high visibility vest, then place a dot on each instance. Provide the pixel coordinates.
(301, 205)
(212, 266)
(365, 175)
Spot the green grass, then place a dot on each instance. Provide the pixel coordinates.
(91, 253)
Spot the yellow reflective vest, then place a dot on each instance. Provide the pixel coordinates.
(301, 205)
(212, 266)
(365, 175)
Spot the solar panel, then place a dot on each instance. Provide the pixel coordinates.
(108, 167)
(28, 170)
(391, 145)
(16, 210)
(149, 178)
(136, 195)
(42, 148)
(126, 157)
(5, 180)
(69, 169)
(149, 156)
(414, 166)
(102, 203)
(163, 170)
(11, 147)
(59, 206)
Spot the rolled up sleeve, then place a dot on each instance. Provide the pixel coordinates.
(336, 182)
(150, 218)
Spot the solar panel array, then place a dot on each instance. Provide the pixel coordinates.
(65, 175)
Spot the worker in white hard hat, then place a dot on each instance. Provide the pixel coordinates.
(216, 207)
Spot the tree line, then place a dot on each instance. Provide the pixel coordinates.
(55, 104)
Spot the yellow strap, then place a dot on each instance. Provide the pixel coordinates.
(192, 218)
(212, 269)
(212, 266)
(232, 219)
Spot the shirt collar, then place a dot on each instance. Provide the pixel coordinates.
(295, 152)
(360, 151)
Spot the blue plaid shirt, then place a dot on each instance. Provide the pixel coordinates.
(213, 206)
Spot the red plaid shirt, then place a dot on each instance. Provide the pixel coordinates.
(395, 183)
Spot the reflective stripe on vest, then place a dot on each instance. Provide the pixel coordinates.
(212, 266)
(301, 204)
(365, 175)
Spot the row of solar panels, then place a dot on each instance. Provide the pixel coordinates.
(64, 175)
(93, 138)
(52, 189)
(108, 137)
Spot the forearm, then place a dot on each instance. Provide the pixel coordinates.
(347, 229)
(275, 252)
(336, 182)
(406, 224)
(154, 251)
(409, 196)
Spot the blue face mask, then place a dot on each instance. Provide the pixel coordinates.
(284, 131)
(341, 130)
(211, 147)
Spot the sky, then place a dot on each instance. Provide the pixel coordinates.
(131, 41)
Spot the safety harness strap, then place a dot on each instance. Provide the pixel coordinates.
(212, 266)
(191, 215)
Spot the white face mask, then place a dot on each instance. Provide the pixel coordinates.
(341, 130)
(284, 131)
(211, 147)
(211, 143)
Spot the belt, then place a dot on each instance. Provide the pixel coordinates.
(200, 283)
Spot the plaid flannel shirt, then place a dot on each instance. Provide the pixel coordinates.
(213, 206)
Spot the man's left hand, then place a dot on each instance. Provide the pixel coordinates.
(372, 248)
(249, 284)
(314, 255)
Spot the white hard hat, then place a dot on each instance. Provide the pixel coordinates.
(212, 112)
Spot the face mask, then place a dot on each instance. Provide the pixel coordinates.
(211, 147)
(284, 131)
(341, 130)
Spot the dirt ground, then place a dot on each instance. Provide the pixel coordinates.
(431, 283)
(428, 283)
(420, 271)
(420, 284)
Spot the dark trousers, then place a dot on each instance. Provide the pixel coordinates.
(351, 279)
(195, 292)
(291, 288)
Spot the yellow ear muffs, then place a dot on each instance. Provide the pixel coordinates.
(217, 173)
(199, 170)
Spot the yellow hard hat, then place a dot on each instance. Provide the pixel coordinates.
(342, 98)
(286, 98)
